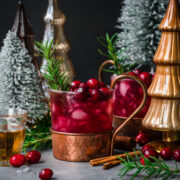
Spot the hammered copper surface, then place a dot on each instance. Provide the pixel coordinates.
(80, 147)
(164, 110)
(54, 29)
(135, 124)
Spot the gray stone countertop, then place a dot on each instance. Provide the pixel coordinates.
(62, 170)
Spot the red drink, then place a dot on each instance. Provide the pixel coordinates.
(127, 97)
(73, 114)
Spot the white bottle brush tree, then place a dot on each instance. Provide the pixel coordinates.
(19, 83)
(138, 29)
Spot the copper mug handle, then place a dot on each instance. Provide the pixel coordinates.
(100, 73)
(115, 80)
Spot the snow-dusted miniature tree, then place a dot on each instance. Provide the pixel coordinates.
(138, 28)
(19, 82)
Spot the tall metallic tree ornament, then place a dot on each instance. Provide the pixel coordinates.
(24, 31)
(54, 29)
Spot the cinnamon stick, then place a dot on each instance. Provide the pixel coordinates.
(98, 161)
(111, 164)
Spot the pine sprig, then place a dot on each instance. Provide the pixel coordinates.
(157, 169)
(39, 136)
(55, 78)
(120, 65)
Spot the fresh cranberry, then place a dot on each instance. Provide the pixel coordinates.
(150, 152)
(82, 93)
(95, 94)
(142, 139)
(153, 75)
(105, 91)
(45, 174)
(17, 160)
(146, 147)
(101, 84)
(146, 78)
(166, 153)
(176, 154)
(75, 84)
(71, 89)
(142, 161)
(137, 72)
(131, 73)
(33, 156)
(93, 83)
(83, 85)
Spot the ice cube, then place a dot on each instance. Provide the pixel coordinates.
(79, 114)
(26, 173)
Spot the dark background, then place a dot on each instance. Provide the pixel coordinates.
(86, 20)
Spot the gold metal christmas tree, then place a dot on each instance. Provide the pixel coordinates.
(54, 29)
(164, 112)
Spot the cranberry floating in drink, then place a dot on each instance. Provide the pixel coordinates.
(82, 110)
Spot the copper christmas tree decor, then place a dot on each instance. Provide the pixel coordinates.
(164, 112)
(54, 29)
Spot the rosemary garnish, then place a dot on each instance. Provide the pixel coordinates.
(55, 78)
(157, 169)
(115, 54)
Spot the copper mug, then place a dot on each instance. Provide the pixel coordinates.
(136, 123)
(84, 147)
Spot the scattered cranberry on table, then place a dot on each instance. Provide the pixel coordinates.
(146, 147)
(150, 152)
(17, 160)
(166, 153)
(142, 161)
(142, 139)
(45, 174)
(176, 154)
(33, 156)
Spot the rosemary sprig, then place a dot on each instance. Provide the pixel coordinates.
(39, 136)
(120, 64)
(55, 78)
(157, 169)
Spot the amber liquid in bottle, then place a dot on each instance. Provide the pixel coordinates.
(10, 143)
